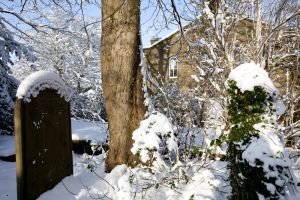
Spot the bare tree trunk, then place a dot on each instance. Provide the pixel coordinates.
(258, 30)
(122, 78)
(258, 23)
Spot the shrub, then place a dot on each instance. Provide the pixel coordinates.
(258, 165)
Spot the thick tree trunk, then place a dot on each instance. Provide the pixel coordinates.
(122, 78)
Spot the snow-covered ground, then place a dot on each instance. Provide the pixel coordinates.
(8, 185)
(89, 180)
(196, 180)
(206, 183)
(81, 130)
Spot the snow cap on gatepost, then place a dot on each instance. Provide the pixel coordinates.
(39, 81)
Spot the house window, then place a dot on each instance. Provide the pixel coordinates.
(173, 68)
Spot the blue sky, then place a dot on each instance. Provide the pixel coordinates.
(148, 32)
(147, 21)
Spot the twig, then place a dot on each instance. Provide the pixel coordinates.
(104, 180)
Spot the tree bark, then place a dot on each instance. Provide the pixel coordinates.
(122, 78)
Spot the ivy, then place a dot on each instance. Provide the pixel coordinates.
(245, 109)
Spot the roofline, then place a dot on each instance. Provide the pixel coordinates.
(162, 39)
(168, 36)
(177, 30)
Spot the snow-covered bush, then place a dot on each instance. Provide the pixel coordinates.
(184, 110)
(182, 106)
(259, 167)
(8, 84)
(154, 140)
(89, 105)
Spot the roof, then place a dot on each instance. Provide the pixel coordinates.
(167, 36)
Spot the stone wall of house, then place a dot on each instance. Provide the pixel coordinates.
(157, 60)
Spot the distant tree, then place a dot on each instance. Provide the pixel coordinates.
(26, 20)
(74, 54)
(122, 77)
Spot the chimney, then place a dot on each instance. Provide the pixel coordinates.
(154, 39)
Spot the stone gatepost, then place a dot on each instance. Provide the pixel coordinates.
(43, 134)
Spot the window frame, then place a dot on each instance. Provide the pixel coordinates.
(173, 69)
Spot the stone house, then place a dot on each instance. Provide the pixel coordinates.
(169, 59)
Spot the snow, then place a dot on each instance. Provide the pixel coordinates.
(39, 81)
(147, 137)
(193, 76)
(191, 180)
(85, 130)
(144, 69)
(162, 39)
(204, 183)
(270, 151)
(209, 183)
(7, 146)
(271, 148)
(279, 107)
(86, 184)
(213, 134)
(8, 185)
(121, 184)
(249, 75)
(208, 12)
(167, 36)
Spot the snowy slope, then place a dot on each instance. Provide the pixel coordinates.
(84, 130)
(7, 145)
(81, 130)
